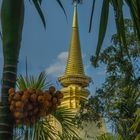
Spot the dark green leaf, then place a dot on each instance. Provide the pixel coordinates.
(103, 25)
(62, 7)
(39, 10)
(91, 17)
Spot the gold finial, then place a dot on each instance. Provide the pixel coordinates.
(75, 19)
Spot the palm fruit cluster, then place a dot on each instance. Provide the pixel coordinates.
(30, 105)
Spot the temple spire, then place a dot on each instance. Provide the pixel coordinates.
(75, 64)
(74, 72)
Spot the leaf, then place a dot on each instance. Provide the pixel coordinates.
(120, 24)
(62, 7)
(65, 117)
(103, 26)
(37, 5)
(91, 17)
(134, 14)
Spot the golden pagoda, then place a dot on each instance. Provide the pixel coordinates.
(74, 80)
(74, 83)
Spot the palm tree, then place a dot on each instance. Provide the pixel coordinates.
(58, 124)
(12, 19)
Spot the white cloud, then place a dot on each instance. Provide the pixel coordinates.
(58, 68)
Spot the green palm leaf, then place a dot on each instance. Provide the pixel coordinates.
(65, 116)
(91, 17)
(62, 7)
(37, 4)
(38, 83)
(103, 25)
(109, 136)
(43, 130)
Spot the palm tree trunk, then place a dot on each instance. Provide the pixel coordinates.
(12, 17)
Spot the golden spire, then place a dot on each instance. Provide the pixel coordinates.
(75, 64)
(75, 19)
(74, 72)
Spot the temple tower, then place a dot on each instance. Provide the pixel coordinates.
(74, 81)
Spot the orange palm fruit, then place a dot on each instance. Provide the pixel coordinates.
(40, 99)
(52, 89)
(19, 104)
(17, 115)
(48, 96)
(33, 97)
(11, 94)
(59, 94)
(24, 98)
(29, 106)
(46, 104)
(36, 110)
(12, 102)
(17, 97)
(50, 104)
(26, 93)
(12, 108)
(11, 90)
(58, 102)
(54, 100)
(9, 99)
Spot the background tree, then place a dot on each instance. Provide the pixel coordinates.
(118, 98)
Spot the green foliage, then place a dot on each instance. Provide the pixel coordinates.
(136, 125)
(118, 98)
(109, 136)
(38, 83)
(118, 7)
(65, 117)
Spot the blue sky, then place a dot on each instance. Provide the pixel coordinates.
(48, 49)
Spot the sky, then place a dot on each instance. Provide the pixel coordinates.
(48, 49)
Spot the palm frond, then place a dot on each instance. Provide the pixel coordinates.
(65, 116)
(103, 25)
(38, 83)
(109, 136)
(91, 16)
(43, 130)
(37, 4)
